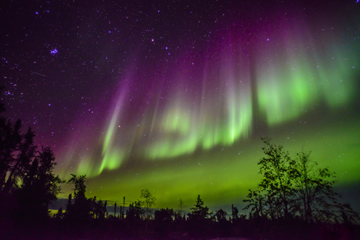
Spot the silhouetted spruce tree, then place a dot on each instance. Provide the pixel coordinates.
(80, 188)
(181, 206)
(164, 215)
(69, 203)
(99, 209)
(105, 209)
(39, 186)
(199, 212)
(10, 140)
(21, 159)
(220, 215)
(27, 181)
(59, 214)
(199, 219)
(163, 220)
(234, 212)
(135, 211)
(81, 209)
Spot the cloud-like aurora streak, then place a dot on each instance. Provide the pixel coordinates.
(299, 78)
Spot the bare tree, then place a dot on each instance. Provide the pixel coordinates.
(149, 201)
(316, 198)
(293, 188)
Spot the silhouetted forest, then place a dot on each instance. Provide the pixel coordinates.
(295, 199)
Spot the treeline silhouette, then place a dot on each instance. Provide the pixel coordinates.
(294, 200)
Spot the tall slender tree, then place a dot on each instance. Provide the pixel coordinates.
(234, 212)
(10, 140)
(149, 201)
(21, 159)
(81, 209)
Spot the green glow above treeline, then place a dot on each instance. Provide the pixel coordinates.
(199, 132)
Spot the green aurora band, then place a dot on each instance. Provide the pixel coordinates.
(203, 138)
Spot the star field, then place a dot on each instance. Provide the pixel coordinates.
(173, 96)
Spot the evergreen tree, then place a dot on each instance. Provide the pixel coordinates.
(69, 203)
(199, 212)
(10, 140)
(135, 211)
(81, 209)
(220, 215)
(234, 212)
(39, 185)
(163, 220)
(21, 157)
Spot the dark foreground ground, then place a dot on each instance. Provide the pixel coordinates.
(148, 230)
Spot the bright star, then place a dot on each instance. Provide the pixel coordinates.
(54, 51)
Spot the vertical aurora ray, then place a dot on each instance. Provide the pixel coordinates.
(176, 120)
(221, 116)
(176, 130)
(238, 103)
(113, 155)
(91, 158)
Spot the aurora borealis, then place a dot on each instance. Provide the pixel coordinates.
(174, 97)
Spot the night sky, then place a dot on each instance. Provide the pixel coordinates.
(174, 96)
